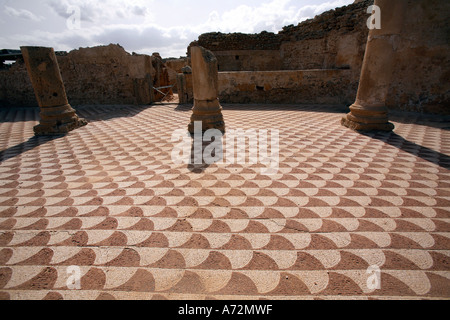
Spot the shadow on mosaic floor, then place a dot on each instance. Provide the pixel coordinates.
(30, 144)
(427, 154)
(91, 113)
(103, 113)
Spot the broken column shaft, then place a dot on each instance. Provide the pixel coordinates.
(57, 116)
(369, 112)
(205, 78)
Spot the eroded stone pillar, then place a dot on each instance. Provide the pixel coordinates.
(57, 116)
(205, 78)
(369, 112)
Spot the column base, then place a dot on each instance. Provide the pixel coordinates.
(360, 126)
(209, 113)
(208, 122)
(364, 117)
(58, 129)
(58, 121)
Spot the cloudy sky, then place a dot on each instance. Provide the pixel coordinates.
(145, 26)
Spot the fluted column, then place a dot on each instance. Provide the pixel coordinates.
(57, 116)
(205, 78)
(369, 112)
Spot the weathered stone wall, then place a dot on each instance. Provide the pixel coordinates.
(15, 87)
(217, 41)
(106, 75)
(335, 39)
(99, 75)
(333, 87)
(421, 79)
(185, 88)
(174, 67)
(243, 52)
(249, 60)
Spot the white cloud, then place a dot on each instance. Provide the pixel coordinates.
(169, 42)
(271, 16)
(310, 11)
(22, 14)
(101, 11)
(102, 25)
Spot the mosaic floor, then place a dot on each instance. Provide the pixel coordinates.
(107, 203)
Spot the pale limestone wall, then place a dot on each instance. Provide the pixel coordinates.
(334, 87)
(99, 75)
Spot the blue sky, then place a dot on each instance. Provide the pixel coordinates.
(145, 26)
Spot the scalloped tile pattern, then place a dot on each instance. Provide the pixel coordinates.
(108, 199)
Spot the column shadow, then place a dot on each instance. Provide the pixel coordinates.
(201, 160)
(25, 146)
(427, 154)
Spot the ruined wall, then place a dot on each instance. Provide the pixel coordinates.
(217, 41)
(290, 86)
(243, 52)
(99, 75)
(185, 87)
(161, 79)
(335, 39)
(106, 75)
(15, 87)
(174, 67)
(249, 60)
(282, 86)
(421, 79)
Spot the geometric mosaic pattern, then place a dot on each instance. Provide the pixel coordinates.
(108, 199)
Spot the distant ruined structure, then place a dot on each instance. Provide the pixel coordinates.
(104, 75)
(318, 61)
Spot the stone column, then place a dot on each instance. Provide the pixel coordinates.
(369, 112)
(205, 78)
(57, 116)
